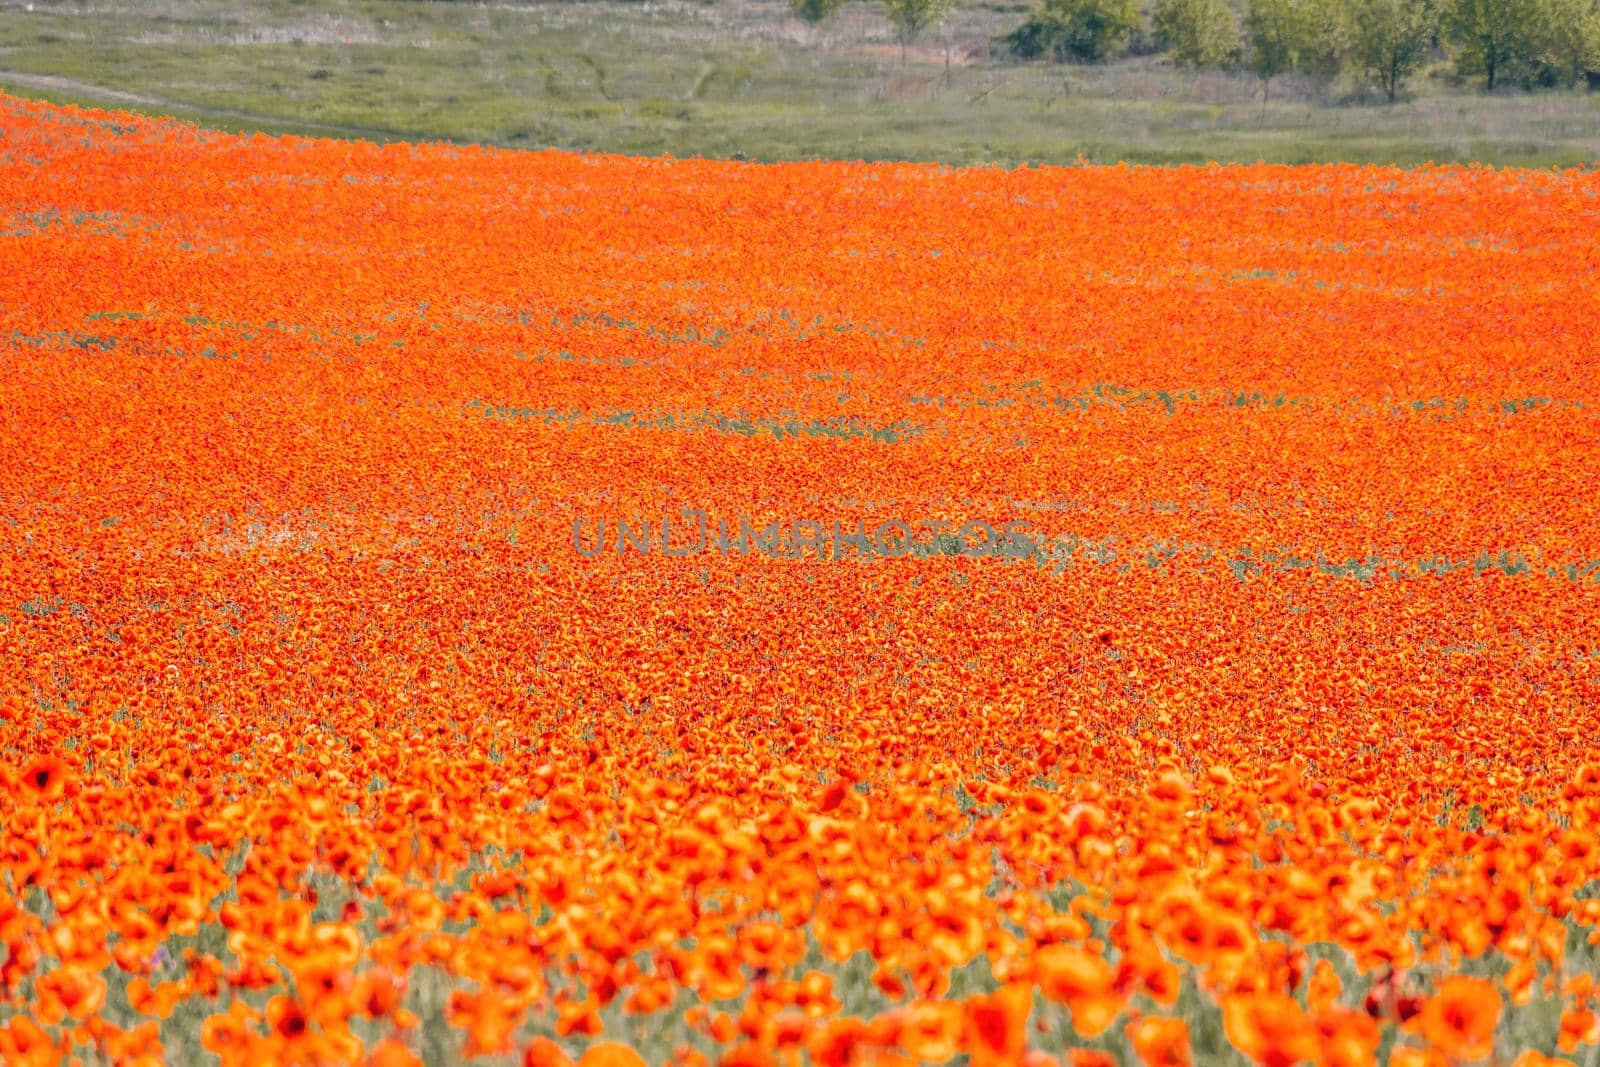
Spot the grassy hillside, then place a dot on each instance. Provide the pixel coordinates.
(737, 78)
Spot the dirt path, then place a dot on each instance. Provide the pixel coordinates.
(55, 83)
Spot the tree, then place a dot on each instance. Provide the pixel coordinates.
(1280, 34)
(1389, 39)
(1591, 48)
(1495, 36)
(1197, 33)
(912, 17)
(815, 11)
(1568, 44)
(1327, 38)
(1084, 30)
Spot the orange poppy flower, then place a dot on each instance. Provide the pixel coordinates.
(1161, 1042)
(997, 1025)
(543, 1052)
(1083, 982)
(1531, 1058)
(45, 777)
(931, 1030)
(1270, 1028)
(610, 1054)
(392, 1053)
(1460, 1018)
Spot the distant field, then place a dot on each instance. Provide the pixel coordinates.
(735, 79)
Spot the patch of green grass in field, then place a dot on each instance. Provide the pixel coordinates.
(734, 79)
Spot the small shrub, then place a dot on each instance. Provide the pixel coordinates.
(1086, 31)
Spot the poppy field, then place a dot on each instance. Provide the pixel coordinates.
(1170, 631)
